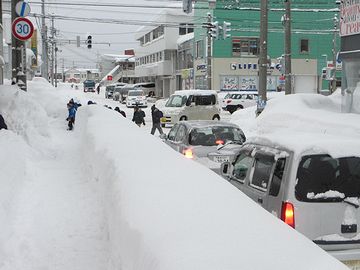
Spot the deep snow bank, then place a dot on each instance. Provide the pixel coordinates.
(167, 212)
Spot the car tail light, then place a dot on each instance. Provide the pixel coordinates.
(188, 153)
(228, 101)
(219, 142)
(288, 214)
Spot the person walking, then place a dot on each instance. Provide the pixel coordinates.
(156, 115)
(138, 116)
(72, 108)
(120, 111)
(98, 88)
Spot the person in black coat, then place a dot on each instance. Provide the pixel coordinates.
(2, 123)
(138, 116)
(156, 115)
(120, 111)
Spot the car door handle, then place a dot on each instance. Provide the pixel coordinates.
(260, 200)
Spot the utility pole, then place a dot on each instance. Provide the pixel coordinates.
(263, 61)
(18, 54)
(208, 61)
(333, 81)
(56, 50)
(288, 87)
(52, 49)
(44, 54)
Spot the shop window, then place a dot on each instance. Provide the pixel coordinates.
(245, 46)
(304, 46)
(199, 50)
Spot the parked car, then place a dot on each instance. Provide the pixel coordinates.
(191, 105)
(136, 98)
(235, 101)
(109, 91)
(89, 86)
(207, 142)
(313, 191)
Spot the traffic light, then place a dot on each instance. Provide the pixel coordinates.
(187, 6)
(89, 42)
(214, 30)
(226, 30)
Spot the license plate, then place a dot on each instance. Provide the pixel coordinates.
(221, 159)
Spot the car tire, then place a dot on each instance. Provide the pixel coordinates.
(183, 118)
(216, 117)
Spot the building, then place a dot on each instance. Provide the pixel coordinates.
(234, 59)
(79, 75)
(118, 68)
(350, 55)
(185, 62)
(156, 58)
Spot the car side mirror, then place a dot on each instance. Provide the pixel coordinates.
(225, 168)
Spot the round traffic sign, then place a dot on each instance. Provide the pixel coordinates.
(22, 28)
(22, 9)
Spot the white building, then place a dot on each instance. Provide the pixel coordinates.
(78, 75)
(156, 57)
(121, 68)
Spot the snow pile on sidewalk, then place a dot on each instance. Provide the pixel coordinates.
(109, 196)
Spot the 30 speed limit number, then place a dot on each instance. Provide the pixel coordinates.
(22, 28)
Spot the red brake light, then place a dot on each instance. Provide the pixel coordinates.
(219, 142)
(228, 101)
(188, 153)
(288, 214)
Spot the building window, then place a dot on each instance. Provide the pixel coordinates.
(141, 41)
(167, 55)
(199, 50)
(304, 46)
(245, 46)
(182, 29)
(147, 38)
(158, 32)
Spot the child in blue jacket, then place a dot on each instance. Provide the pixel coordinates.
(72, 108)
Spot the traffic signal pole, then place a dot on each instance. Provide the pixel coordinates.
(52, 50)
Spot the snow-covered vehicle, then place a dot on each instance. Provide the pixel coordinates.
(241, 100)
(315, 190)
(136, 98)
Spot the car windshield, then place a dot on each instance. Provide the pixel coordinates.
(210, 136)
(176, 101)
(321, 178)
(135, 93)
(110, 88)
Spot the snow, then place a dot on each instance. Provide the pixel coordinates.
(184, 38)
(325, 195)
(318, 128)
(111, 196)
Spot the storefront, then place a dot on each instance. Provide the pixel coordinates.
(350, 55)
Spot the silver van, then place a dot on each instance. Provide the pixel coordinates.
(311, 189)
(191, 105)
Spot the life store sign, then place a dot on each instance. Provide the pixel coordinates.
(250, 66)
(349, 17)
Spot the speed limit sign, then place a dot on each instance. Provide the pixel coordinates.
(22, 28)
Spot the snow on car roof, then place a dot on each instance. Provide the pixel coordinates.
(195, 92)
(304, 123)
(206, 123)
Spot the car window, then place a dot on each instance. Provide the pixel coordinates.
(277, 177)
(180, 134)
(204, 100)
(172, 132)
(263, 165)
(215, 135)
(242, 165)
(176, 101)
(321, 178)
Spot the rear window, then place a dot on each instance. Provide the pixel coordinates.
(209, 136)
(321, 178)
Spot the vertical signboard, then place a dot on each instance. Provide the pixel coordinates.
(349, 18)
(33, 45)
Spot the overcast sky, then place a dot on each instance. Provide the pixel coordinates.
(119, 36)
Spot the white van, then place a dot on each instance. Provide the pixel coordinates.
(191, 105)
